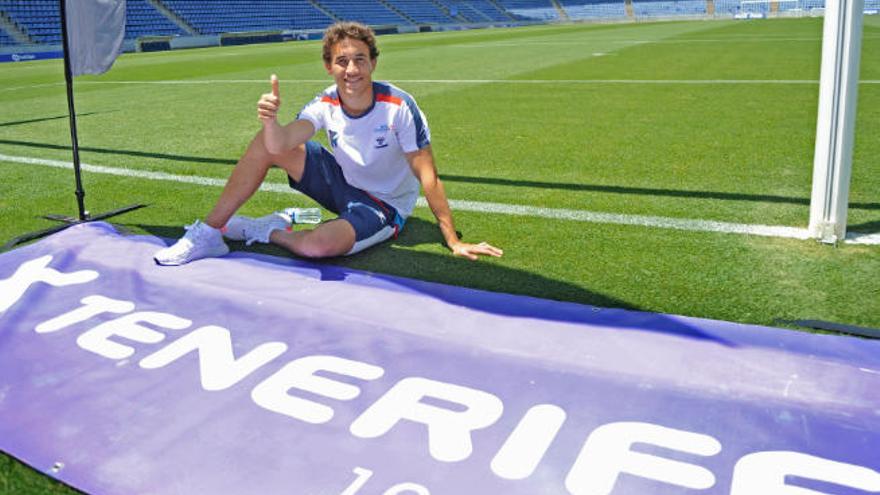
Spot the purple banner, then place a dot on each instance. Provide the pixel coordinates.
(252, 374)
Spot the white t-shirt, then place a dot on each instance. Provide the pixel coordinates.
(370, 148)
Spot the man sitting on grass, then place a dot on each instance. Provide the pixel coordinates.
(381, 154)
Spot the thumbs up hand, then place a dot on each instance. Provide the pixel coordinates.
(279, 139)
(267, 107)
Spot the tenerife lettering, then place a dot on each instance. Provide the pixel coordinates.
(449, 413)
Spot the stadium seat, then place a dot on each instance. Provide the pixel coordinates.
(220, 16)
(531, 10)
(581, 9)
(667, 8)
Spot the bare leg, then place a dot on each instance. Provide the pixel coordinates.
(249, 173)
(333, 238)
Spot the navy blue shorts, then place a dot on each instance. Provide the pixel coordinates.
(373, 220)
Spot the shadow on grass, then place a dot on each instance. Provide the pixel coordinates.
(485, 285)
(866, 227)
(493, 181)
(726, 196)
(140, 154)
(45, 119)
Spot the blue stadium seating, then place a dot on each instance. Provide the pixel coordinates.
(421, 11)
(488, 9)
(731, 7)
(223, 16)
(528, 10)
(5, 39)
(142, 19)
(582, 9)
(475, 10)
(40, 19)
(454, 11)
(726, 7)
(366, 11)
(460, 10)
(662, 8)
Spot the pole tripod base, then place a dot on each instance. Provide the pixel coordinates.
(66, 222)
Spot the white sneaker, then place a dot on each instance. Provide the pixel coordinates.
(200, 241)
(253, 230)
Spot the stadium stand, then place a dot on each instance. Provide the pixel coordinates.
(755, 8)
(462, 11)
(476, 11)
(783, 7)
(422, 11)
(490, 10)
(142, 19)
(5, 39)
(39, 19)
(365, 11)
(813, 4)
(726, 7)
(581, 9)
(224, 16)
(764, 7)
(664, 8)
(531, 10)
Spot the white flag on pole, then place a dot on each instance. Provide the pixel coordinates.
(95, 30)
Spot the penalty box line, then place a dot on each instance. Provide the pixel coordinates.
(694, 225)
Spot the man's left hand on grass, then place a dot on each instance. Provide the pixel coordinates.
(472, 251)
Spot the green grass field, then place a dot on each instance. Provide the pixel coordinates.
(519, 117)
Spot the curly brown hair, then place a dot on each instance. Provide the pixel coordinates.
(346, 29)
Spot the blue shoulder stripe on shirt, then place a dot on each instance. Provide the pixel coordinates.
(387, 90)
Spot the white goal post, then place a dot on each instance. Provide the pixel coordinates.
(835, 126)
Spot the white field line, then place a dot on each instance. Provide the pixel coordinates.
(32, 86)
(625, 219)
(140, 174)
(195, 82)
(495, 81)
(578, 42)
(484, 207)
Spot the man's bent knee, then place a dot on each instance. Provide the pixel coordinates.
(293, 162)
(316, 250)
(334, 238)
(321, 247)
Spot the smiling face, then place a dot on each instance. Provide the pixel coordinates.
(352, 69)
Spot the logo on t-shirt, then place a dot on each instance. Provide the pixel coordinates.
(334, 138)
(381, 142)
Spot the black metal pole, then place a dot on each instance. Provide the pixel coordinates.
(84, 216)
(68, 77)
